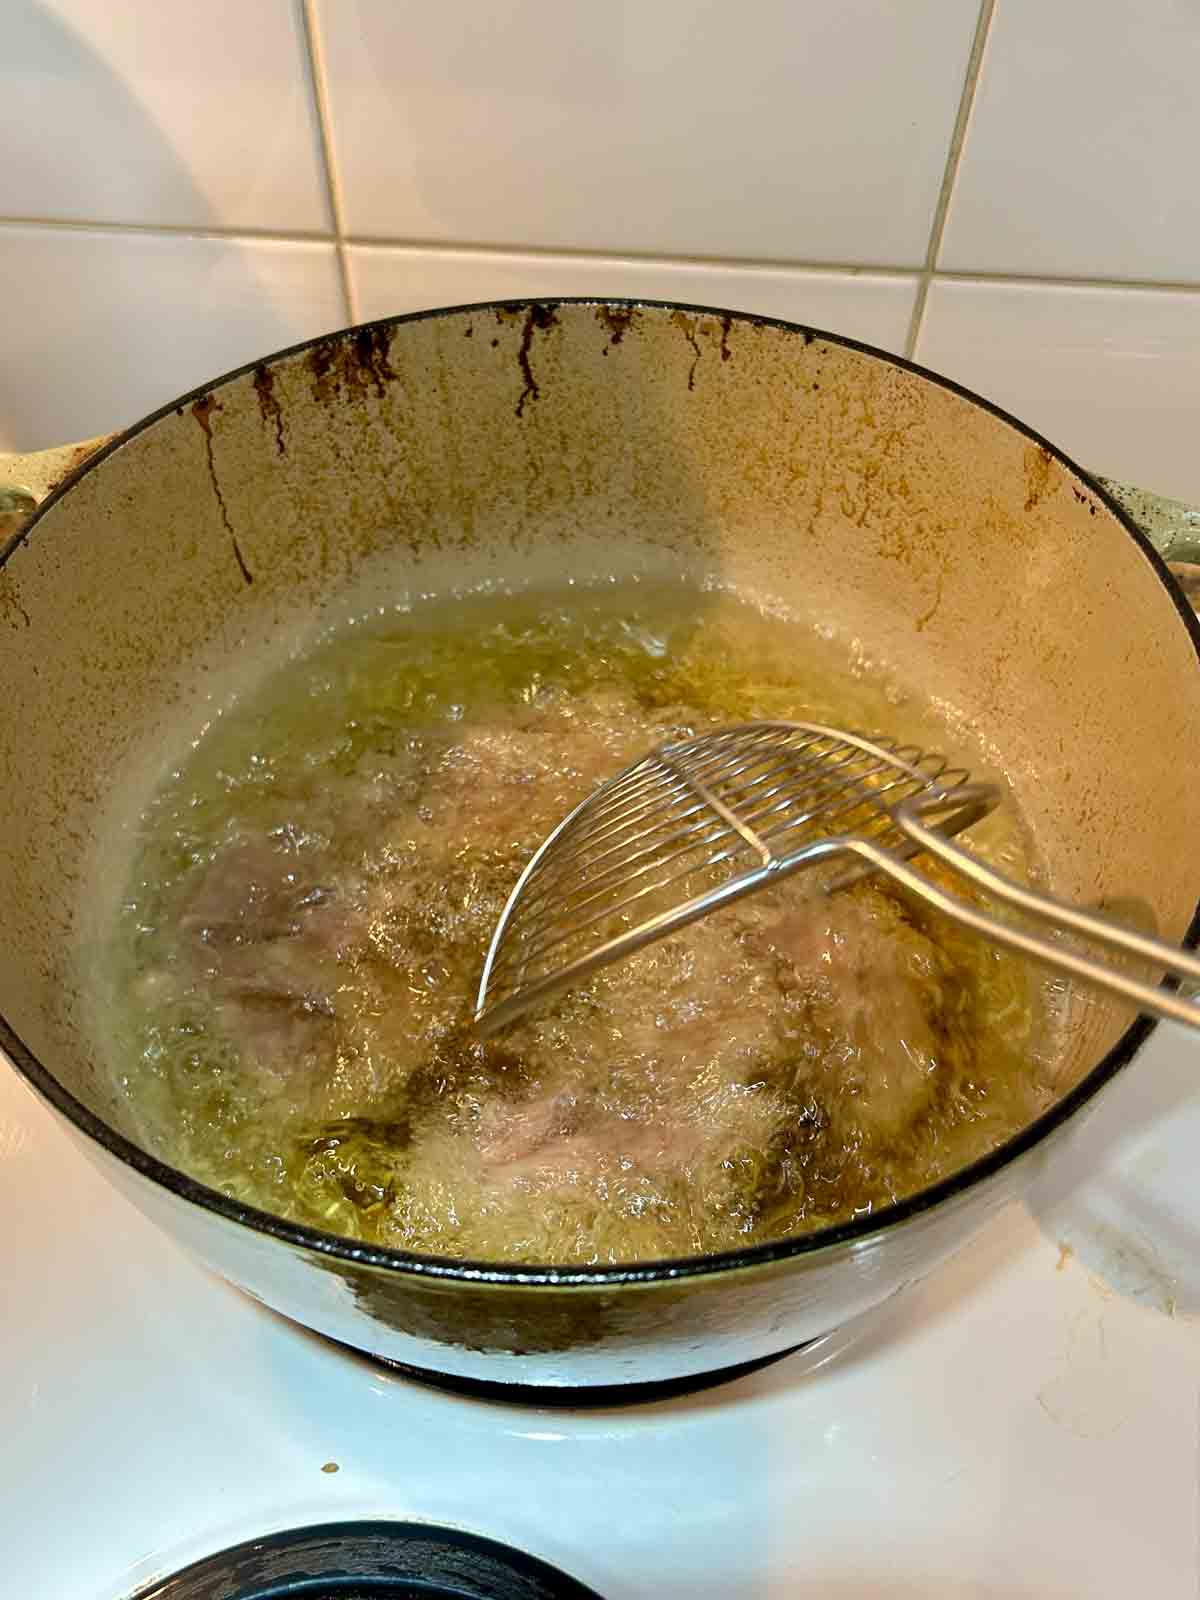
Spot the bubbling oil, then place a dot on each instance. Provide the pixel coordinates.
(291, 975)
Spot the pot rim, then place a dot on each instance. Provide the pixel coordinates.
(855, 1231)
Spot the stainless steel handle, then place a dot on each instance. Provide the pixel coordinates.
(1103, 931)
(1173, 528)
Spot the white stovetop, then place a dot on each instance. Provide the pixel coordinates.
(1027, 1424)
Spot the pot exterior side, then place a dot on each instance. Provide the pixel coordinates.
(573, 1336)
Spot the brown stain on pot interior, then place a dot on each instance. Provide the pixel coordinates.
(1039, 464)
(203, 410)
(1084, 500)
(269, 408)
(352, 363)
(321, 361)
(927, 616)
(372, 348)
(12, 612)
(687, 327)
(538, 318)
(618, 320)
(726, 324)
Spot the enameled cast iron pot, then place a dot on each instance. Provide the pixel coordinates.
(527, 444)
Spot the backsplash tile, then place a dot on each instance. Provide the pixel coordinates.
(1111, 376)
(166, 113)
(1080, 157)
(97, 328)
(784, 160)
(773, 132)
(873, 307)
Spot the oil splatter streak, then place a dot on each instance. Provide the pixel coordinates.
(269, 407)
(11, 607)
(618, 320)
(202, 410)
(934, 606)
(352, 364)
(726, 324)
(685, 325)
(537, 319)
(372, 349)
(1039, 466)
(1084, 500)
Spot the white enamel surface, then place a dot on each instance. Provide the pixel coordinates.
(775, 131)
(99, 327)
(1024, 1424)
(873, 307)
(196, 115)
(1080, 160)
(1112, 376)
(818, 1301)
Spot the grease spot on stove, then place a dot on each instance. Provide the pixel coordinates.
(1122, 1262)
(1083, 1396)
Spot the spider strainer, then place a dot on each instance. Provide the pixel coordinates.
(699, 822)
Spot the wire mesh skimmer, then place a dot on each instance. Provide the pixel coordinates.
(699, 822)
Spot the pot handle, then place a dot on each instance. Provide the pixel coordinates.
(1172, 527)
(26, 480)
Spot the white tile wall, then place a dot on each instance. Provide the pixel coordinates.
(1081, 159)
(98, 328)
(163, 112)
(868, 306)
(1112, 376)
(934, 177)
(775, 131)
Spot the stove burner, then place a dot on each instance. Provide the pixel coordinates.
(369, 1561)
(584, 1396)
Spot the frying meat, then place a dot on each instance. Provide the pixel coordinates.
(317, 887)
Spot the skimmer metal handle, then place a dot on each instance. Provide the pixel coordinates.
(1108, 935)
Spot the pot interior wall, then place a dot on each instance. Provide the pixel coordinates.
(522, 446)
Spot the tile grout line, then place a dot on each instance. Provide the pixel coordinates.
(172, 230)
(551, 252)
(844, 269)
(953, 158)
(1069, 281)
(320, 92)
(848, 269)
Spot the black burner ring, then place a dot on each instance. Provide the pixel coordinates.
(369, 1561)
